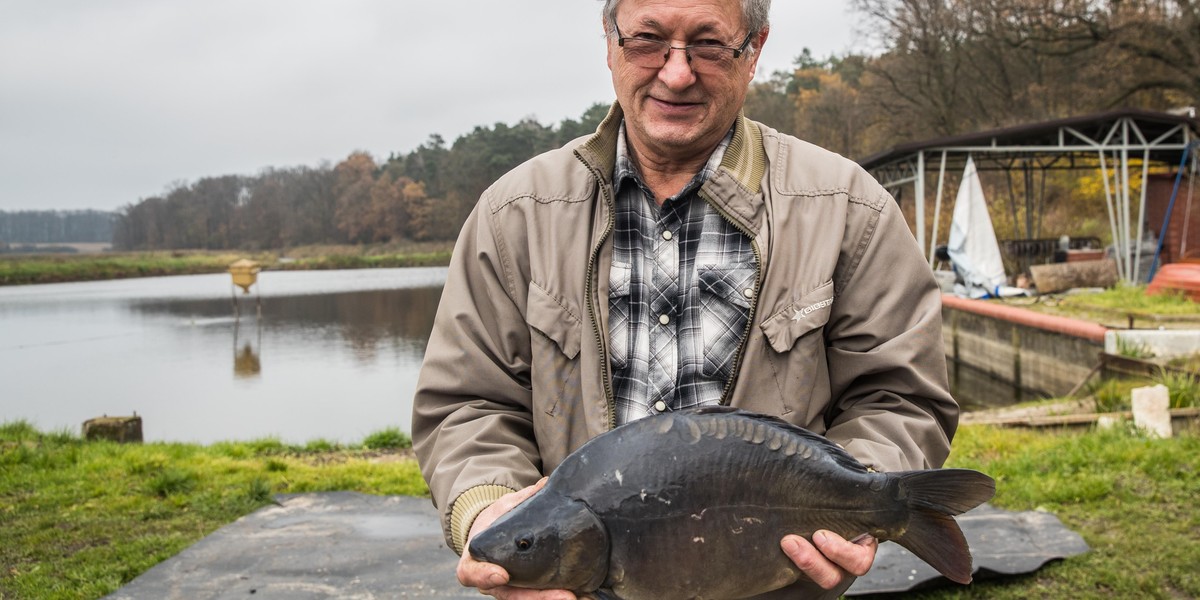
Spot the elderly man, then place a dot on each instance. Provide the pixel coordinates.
(681, 256)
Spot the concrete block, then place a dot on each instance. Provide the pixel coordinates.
(1151, 410)
(1163, 343)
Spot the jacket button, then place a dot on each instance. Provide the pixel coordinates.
(664, 319)
(749, 293)
(660, 406)
(667, 235)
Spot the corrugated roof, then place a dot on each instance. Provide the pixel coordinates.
(1046, 133)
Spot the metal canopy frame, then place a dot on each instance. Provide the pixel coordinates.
(1114, 139)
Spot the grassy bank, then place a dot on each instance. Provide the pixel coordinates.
(81, 519)
(57, 268)
(1119, 307)
(1133, 500)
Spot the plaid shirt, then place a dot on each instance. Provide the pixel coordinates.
(680, 289)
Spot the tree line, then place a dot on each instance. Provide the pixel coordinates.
(56, 226)
(942, 67)
(423, 195)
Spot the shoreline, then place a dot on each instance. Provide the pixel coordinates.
(32, 269)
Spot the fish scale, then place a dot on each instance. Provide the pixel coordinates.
(645, 510)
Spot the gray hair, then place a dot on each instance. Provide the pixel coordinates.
(755, 13)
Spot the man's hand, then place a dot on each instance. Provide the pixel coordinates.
(490, 579)
(829, 559)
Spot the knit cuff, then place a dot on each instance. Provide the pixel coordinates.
(468, 506)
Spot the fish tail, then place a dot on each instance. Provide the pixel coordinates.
(934, 497)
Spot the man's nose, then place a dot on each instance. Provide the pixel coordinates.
(677, 73)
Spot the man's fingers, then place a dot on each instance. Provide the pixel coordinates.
(501, 506)
(492, 579)
(513, 593)
(472, 573)
(829, 558)
(810, 560)
(856, 557)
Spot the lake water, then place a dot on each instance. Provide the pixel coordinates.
(335, 355)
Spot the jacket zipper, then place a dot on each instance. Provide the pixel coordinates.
(758, 273)
(590, 291)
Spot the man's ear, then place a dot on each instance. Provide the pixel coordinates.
(608, 52)
(758, 42)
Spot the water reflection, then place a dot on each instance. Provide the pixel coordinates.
(246, 362)
(977, 390)
(334, 355)
(364, 321)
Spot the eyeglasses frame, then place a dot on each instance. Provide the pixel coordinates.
(687, 49)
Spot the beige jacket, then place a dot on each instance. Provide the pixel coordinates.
(844, 339)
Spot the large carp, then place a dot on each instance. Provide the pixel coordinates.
(693, 504)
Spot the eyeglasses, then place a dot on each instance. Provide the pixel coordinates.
(703, 58)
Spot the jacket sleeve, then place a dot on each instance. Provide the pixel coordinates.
(891, 407)
(472, 422)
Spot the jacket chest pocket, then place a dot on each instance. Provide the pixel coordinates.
(555, 338)
(795, 336)
(725, 295)
(801, 321)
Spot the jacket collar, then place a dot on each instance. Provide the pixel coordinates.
(736, 188)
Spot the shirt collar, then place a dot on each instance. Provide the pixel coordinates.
(625, 169)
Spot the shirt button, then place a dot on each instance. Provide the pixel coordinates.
(664, 319)
(667, 235)
(660, 406)
(749, 293)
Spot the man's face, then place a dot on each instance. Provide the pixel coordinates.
(673, 112)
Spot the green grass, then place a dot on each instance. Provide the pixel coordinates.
(1131, 349)
(1123, 306)
(44, 268)
(389, 261)
(81, 519)
(388, 439)
(1112, 394)
(1184, 388)
(1133, 301)
(1133, 499)
(55, 268)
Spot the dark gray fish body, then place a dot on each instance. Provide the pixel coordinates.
(693, 504)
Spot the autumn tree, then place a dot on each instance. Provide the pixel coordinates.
(769, 103)
(355, 213)
(389, 208)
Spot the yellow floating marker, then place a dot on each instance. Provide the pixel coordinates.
(245, 273)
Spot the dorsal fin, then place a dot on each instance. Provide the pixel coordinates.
(836, 452)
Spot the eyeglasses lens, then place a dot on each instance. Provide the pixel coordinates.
(653, 54)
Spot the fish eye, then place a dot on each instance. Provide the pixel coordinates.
(524, 544)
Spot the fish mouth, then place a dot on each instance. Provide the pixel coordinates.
(478, 553)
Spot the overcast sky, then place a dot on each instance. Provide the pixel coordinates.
(105, 102)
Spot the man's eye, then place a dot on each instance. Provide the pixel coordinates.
(708, 43)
